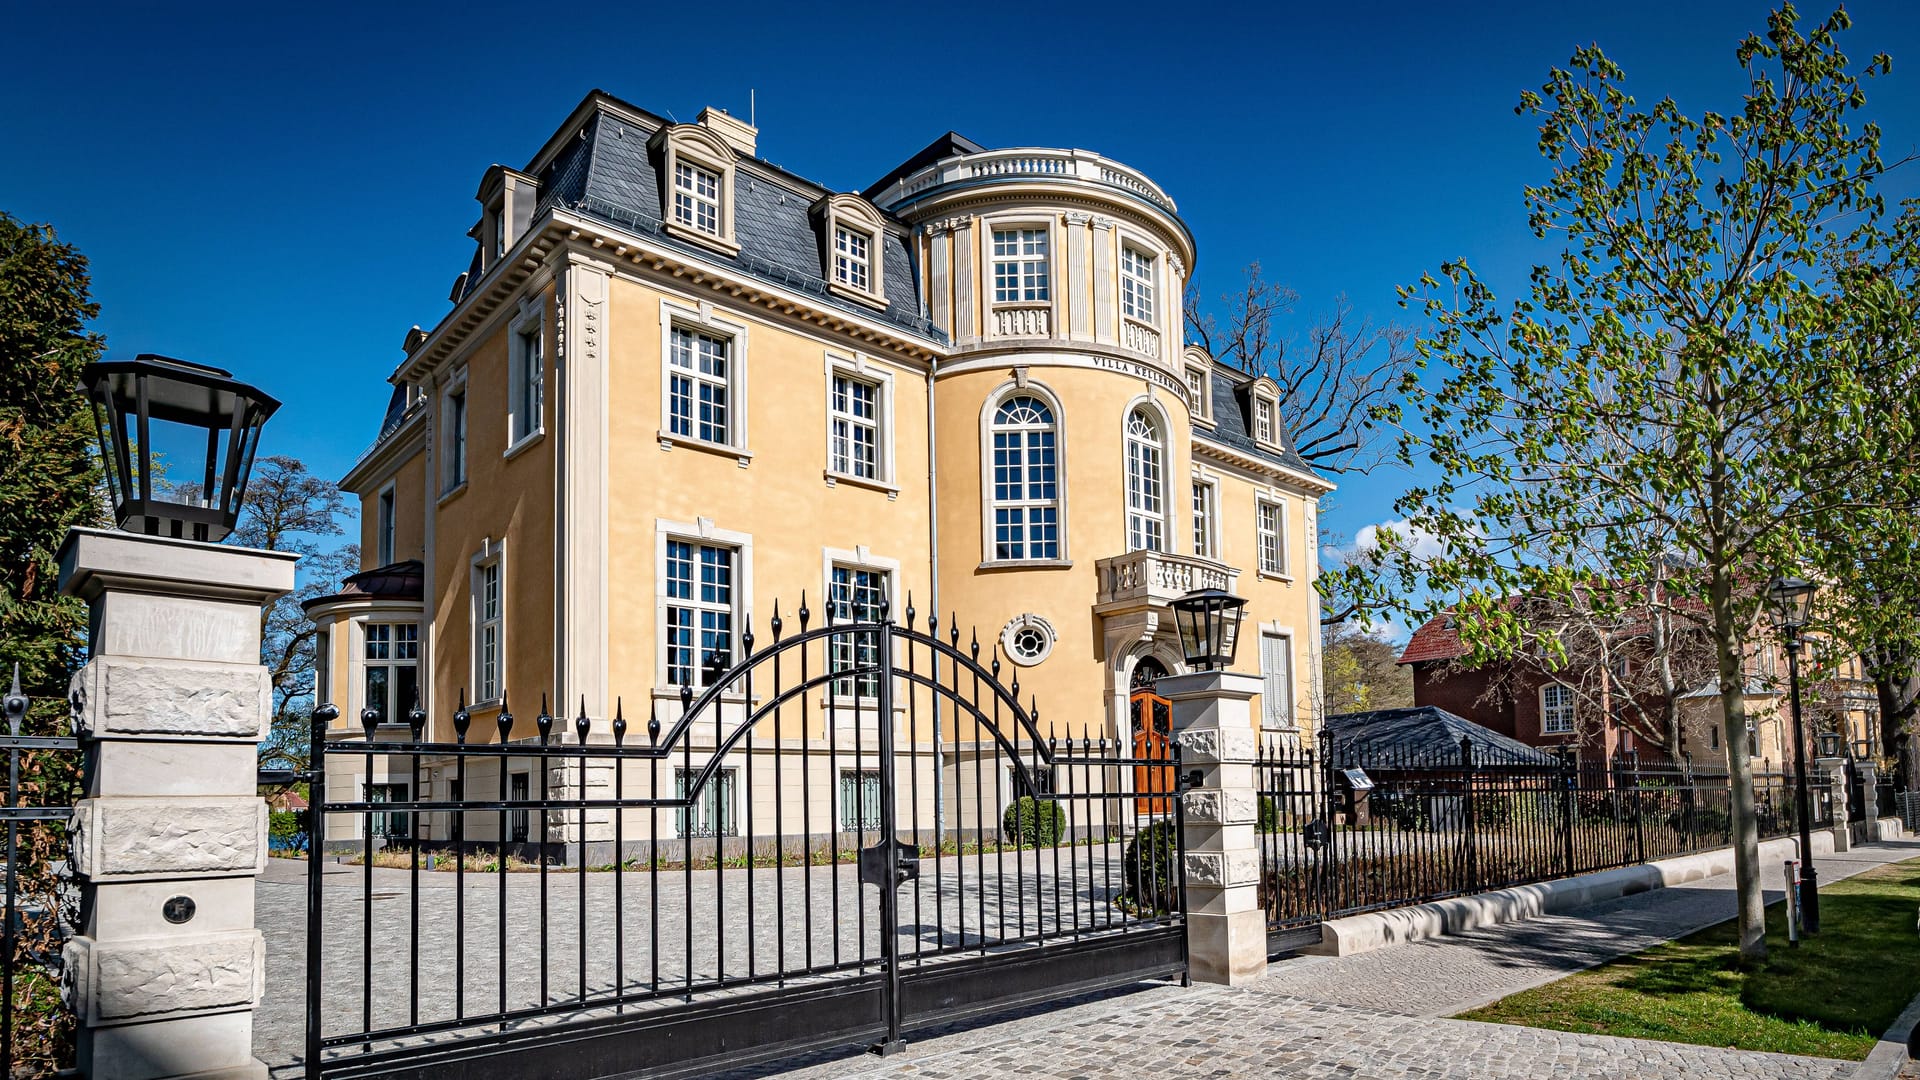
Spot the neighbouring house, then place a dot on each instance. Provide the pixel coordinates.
(678, 382)
(1588, 707)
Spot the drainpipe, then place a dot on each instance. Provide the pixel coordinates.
(933, 569)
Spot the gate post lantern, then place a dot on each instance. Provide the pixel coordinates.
(166, 967)
(1213, 721)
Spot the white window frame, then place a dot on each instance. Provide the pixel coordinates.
(1263, 421)
(492, 556)
(390, 633)
(1145, 471)
(698, 532)
(1567, 713)
(693, 203)
(1206, 517)
(1200, 387)
(526, 396)
(1276, 567)
(989, 549)
(855, 216)
(1022, 262)
(702, 319)
(697, 147)
(384, 511)
(455, 434)
(857, 558)
(853, 257)
(860, 369)
(1139, 284)
(1286, 716)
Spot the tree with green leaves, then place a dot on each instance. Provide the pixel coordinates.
(1718, 371)
(49, 477)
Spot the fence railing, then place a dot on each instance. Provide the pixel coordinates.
(1352, 828)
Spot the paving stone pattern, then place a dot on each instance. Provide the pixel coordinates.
(1377, 1014)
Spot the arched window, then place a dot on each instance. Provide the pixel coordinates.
(1146, 484)
(1026, 480)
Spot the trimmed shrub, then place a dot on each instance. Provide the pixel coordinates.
(1152, 877)
(1032, 822)
(286, 830)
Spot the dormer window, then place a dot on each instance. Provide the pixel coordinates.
(852, 258)
(497, 226)
(1201, 392)
(697, 175)
(696, 198)
(852, 235)
(1263, 420)
(1264, 399)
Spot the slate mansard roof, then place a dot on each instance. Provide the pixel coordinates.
(1233, 426)
(606, 171)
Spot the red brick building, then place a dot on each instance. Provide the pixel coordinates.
(1515, 700)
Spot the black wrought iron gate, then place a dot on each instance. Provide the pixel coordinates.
(854, 832)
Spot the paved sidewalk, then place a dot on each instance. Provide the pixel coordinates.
(1373, 1015)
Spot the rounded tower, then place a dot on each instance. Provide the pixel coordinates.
(1062, 415)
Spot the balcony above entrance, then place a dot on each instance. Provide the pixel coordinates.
(1152, 580)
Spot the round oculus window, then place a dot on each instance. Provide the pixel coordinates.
(1027, 639)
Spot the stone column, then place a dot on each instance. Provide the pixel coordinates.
(1226, 925)
(1832, 773)
(166, 968)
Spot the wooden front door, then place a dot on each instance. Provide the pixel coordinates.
(1152, 732)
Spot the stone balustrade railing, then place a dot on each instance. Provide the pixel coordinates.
(1038, 162)
(1156, 578)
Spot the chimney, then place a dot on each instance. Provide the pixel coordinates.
(735, 132)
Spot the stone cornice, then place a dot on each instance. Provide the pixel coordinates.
(386, 455)
(1308, 483)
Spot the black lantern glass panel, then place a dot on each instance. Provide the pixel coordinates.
(178, 439)
(1209, 625)
(1791, 601)
(1830, 743)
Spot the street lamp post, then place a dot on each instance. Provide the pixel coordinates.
(1791, 599)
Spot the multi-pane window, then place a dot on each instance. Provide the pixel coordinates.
(1556, 709)
(854, 428)
(1020, 265)
(1026, 487)
(1146, 513)
(455, 418)
(1136, 285)
(519, 821)
(1276, 674)
(391, 825)
(700, 593)
(859, 800)
(392, 669)
(1263, 420)
(1272, 525)
(1204, 497)
(529, 383)
(696, 197)
(383, 525)
(711, 811)
(852, 258)
(856, 595)
(698, 395)
(497, 221)
(1197, 386)
(486, 632)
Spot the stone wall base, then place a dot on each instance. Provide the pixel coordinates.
(213, 1047)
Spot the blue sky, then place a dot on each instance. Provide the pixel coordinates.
(283, 190)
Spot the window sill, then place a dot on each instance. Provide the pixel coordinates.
(525, 442)
(1026, 564)
(836, 478)
(1270, 575)
(672, 693)
(704, 239)
(452, 493)
(668, 441)
(857, 295)
(845, 707)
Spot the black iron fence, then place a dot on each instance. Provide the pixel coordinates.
(43, 781)
(851, 831)
(1345, 829)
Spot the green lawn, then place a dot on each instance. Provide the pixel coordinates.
(1831, 997)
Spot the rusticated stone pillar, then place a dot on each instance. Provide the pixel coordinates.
(166, 968)
(1832, 772)
(1226, 925)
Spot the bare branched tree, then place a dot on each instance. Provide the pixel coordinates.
(1331, 381)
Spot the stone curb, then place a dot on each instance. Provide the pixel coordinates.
(1357, 934)
(1893, 1049)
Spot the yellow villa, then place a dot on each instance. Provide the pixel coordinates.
(678, 383)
